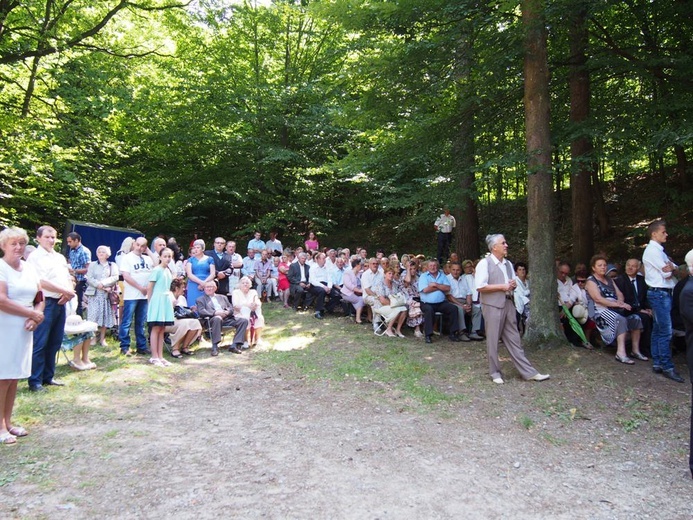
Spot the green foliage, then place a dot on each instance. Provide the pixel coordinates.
(345, 117)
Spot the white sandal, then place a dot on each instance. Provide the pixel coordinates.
(8, 439)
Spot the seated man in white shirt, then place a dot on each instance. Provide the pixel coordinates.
(321, 286)
(567, 297)
(460, 295)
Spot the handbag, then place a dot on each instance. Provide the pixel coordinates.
(184, 313)
(398, 300)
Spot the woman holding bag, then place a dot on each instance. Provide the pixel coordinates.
(102, 286)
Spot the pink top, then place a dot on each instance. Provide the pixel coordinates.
(312, 245)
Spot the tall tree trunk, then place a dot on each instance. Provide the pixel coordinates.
(467, 229)
(603, 220)
(581, 150)
(681, 166)
(540, 230)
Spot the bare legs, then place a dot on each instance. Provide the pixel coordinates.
(284, 295)
(102, 336)
(8, 392)
(156, 339)
(80, 359)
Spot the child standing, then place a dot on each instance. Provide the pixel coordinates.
(159, 309)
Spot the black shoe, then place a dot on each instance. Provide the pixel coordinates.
(144, 352)
(428, 339)
(37, 388)
(671, 374)
(319, 315)
(215, 350)
(125, 353)
(657, 370)
(452, 337)
(235, 350)
(53, 382)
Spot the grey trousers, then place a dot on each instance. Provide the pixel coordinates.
(502, 324)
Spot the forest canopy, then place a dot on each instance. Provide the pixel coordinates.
(353, 117)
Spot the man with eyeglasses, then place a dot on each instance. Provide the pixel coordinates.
(135, 267)
(495, 281)
(567, 296)
(222, 264)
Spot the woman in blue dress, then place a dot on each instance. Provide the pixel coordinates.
(199, 270)
(159, 308)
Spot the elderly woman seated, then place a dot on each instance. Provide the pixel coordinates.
(390, 302)
(186, 327)
(351, 286)
(246, 304)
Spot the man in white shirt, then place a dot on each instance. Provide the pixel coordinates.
(56, 284)
(274, 244)
(135, 267)
(461, 296)
(444, 225)
(495, 281)
(321, 286)
(567, 295)
(659, 278)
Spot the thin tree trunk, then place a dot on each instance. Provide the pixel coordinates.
(581, 150)
(540, 233)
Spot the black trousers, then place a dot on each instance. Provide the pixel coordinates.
(444, 241)
(447, 309)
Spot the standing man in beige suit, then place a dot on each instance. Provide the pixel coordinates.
(495, 281)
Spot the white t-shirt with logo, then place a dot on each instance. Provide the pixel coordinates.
(139, 267)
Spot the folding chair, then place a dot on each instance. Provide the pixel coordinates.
(379, 323)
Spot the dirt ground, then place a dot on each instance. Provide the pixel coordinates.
(238, 441)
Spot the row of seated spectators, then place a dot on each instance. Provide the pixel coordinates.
(576, 299)
(331, 281)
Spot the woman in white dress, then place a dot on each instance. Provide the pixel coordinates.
(246, 304)
(21, 310)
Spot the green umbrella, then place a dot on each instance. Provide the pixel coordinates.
(576, 327)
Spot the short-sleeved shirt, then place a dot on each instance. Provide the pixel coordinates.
(459, 288)
(80, 257)
(436, 296)
(52, 267)
(139, 267)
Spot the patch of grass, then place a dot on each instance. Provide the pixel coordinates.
(638, 412)
(552, 406)
(360, 356)
(552, 439)
(526, 422)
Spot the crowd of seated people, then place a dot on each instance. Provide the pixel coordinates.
(388, 288)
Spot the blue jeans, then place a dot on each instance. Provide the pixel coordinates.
(660, 302)
(139, 309)
(47, 339)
